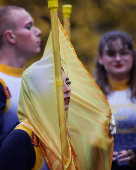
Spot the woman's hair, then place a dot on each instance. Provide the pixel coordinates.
(101, 76)
(6, 20)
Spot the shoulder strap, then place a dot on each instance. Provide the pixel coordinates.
(35, 142)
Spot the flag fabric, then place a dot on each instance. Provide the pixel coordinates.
(90, 144)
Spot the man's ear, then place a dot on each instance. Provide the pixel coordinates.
(9, 36)
(100, 60)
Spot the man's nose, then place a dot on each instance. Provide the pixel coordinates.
(37, 31)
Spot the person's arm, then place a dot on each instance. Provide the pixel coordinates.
(17, 152)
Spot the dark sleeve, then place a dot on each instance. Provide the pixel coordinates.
(17, 152)
(2, 106)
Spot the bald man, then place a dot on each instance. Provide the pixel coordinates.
(19, 40)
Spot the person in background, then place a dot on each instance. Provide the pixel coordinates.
(19, 40)
(115, 74)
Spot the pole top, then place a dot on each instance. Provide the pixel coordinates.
(53, 5)
(66, 10)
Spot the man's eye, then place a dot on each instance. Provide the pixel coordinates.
(68, 83)
(29, 27)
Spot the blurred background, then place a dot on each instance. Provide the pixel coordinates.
(90, 19)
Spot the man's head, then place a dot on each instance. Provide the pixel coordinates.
(6, 21)
(18, 30)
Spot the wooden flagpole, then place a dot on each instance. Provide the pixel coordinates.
(66, 10)
(53, 7)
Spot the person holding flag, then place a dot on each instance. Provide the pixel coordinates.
(78, 139)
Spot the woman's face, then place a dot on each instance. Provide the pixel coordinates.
(117, 61)
(66, 90)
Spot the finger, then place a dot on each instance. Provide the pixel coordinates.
(113, 159)
(115, 153)
(123, 154)
(126, 159)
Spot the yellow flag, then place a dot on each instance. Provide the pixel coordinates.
(89, 113)
(90, 146)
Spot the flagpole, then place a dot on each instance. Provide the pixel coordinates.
(53, 7)
(66, 10)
